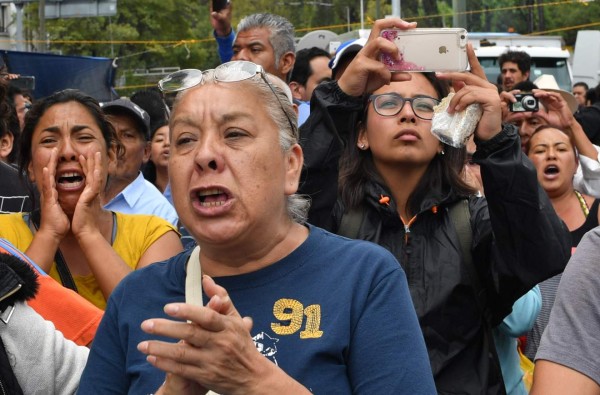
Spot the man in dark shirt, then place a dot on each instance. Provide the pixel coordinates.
(589, 118)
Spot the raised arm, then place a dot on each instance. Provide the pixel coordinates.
(558, 114)
(335, 110)
(523, 238)
(223, 31)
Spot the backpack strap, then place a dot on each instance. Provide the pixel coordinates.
(193, 279)
(461, 218)
(460, 215)
(350, 223)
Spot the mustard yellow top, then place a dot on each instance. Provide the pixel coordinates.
(134, 234)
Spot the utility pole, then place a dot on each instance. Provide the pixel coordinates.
(362, 15)
(42, 15)
(19, 35)
(348, 17)
(541, 19)
(396, 10)
(459, 13)
(530, 17)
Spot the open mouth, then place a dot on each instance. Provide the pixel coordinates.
(70, 180)
(212, 197)
(551, 170)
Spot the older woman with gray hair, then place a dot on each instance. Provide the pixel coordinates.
(322, 313)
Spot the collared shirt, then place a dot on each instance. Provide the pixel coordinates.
(141, 197)
(303, 111)
(167, 194)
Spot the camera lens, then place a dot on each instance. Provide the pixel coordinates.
(529, 102)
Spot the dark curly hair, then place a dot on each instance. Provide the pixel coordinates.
(521, 58)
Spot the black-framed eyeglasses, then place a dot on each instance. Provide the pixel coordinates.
(234, 71)
(390, 104)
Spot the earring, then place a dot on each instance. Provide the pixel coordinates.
(362, 146)
(441, 153)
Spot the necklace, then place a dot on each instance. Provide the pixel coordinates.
(582, 203)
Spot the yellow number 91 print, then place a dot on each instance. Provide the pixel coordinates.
(293, 311)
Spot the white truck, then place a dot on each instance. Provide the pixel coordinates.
(586, 58)
(548, 55)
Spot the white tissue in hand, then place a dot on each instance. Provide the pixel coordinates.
(455, 129)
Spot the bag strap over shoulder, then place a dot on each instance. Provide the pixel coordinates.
(193, 279)
(460, 215)
(61, 265)
(193, 284)
(350, 223)
(461, 218)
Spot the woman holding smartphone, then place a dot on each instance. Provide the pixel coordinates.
(399, 187)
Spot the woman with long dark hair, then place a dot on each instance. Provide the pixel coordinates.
(67, 147)
(467, 258)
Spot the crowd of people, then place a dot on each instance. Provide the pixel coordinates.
(287, 222)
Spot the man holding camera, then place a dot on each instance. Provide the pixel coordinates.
(589, 118)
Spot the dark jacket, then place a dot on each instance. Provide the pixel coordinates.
(589, 118)
(322, 137)
(518, 241)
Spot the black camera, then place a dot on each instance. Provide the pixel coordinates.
(218, 5)
(525, 102)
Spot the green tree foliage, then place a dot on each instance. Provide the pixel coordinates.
(553, 17)
(162, 33)
(567, 19)
(143, 34)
